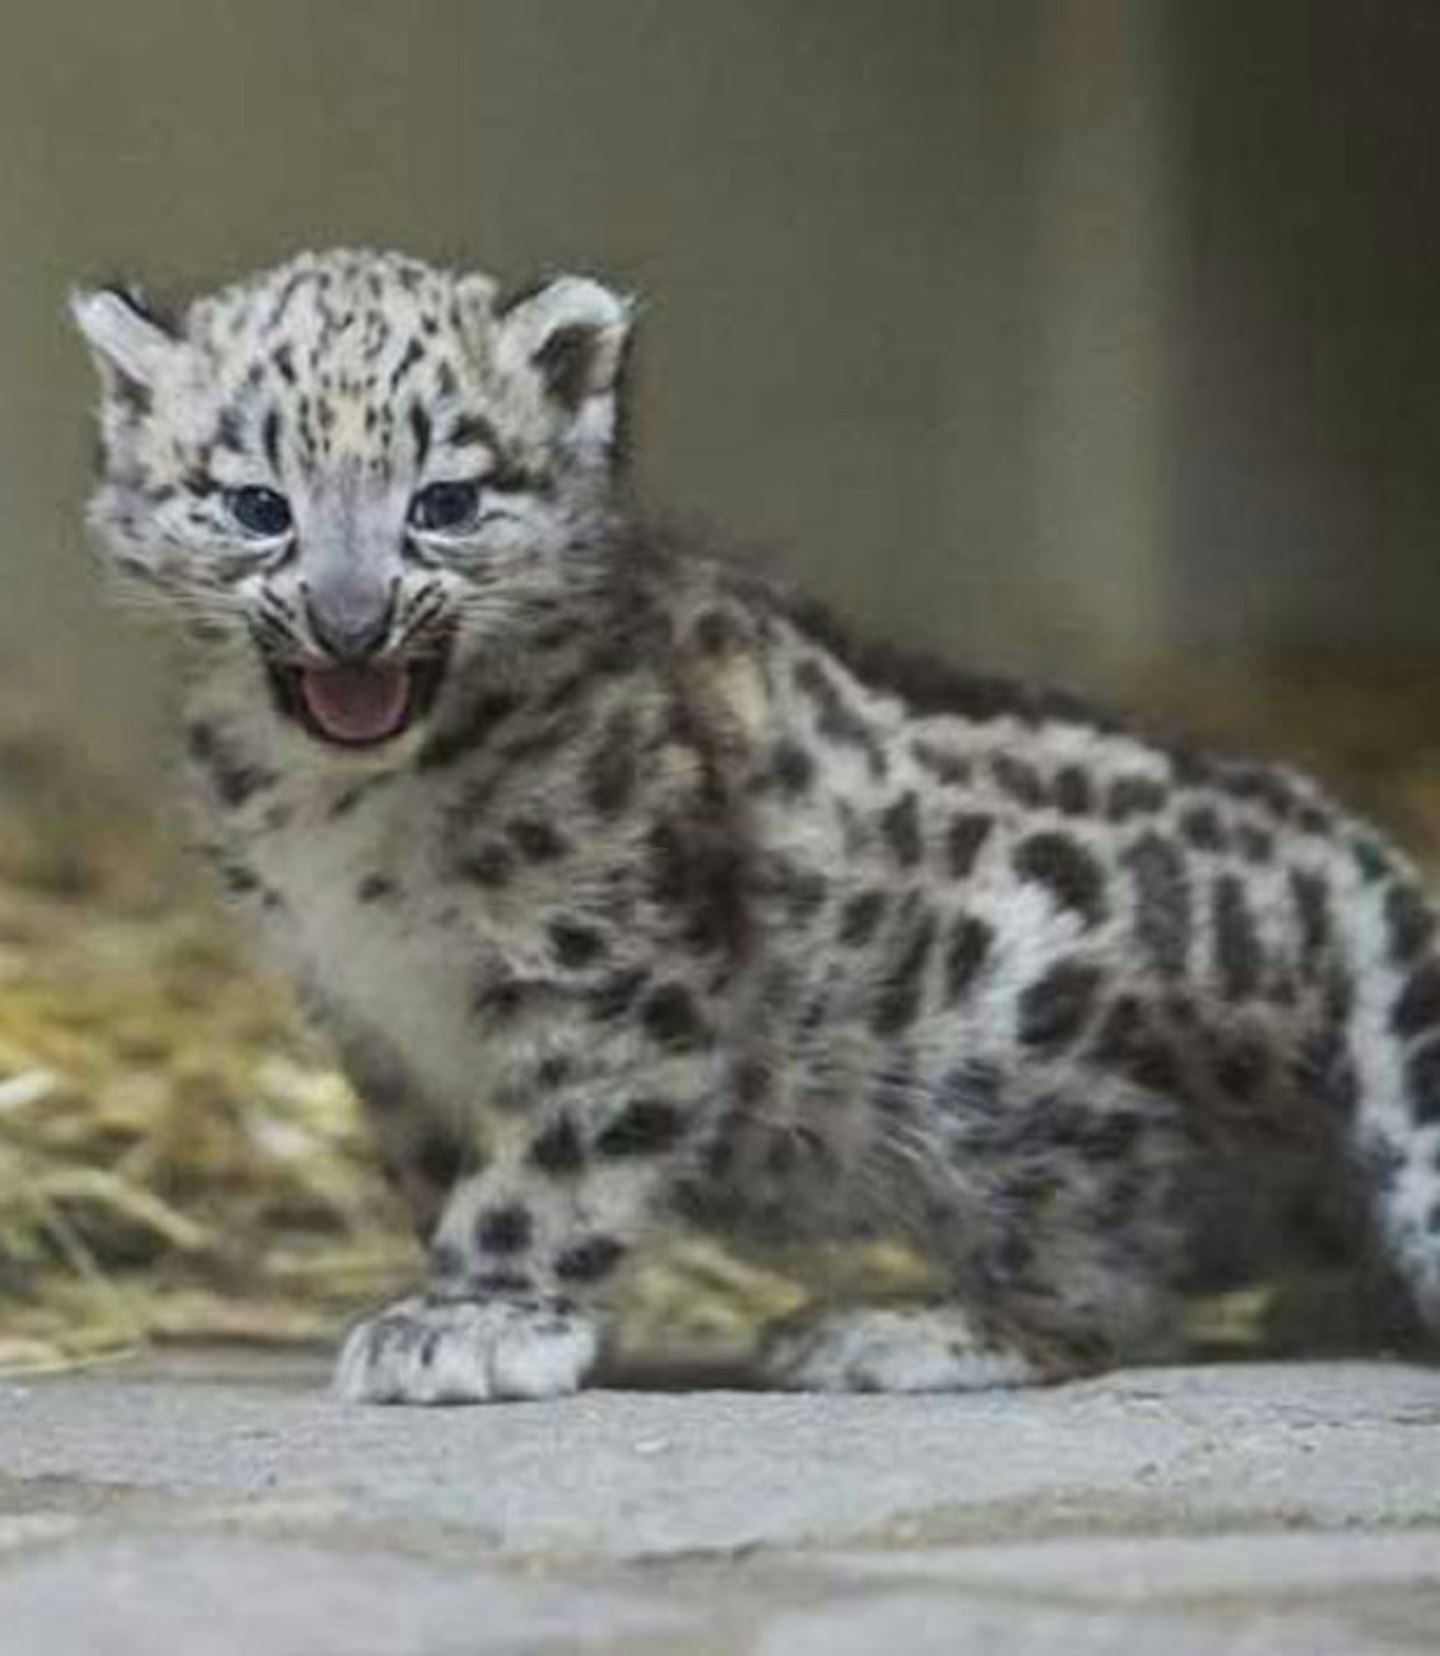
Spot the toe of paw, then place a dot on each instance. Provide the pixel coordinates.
(417, 1353)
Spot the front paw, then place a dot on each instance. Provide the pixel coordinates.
(424, 1350)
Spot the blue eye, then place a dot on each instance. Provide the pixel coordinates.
(264, 513)
(445, 508)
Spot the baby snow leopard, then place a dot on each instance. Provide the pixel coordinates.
(630, 891)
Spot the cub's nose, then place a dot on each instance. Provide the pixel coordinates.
(348, 623)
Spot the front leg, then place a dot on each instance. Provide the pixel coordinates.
(431, 1348)
(523, 1258)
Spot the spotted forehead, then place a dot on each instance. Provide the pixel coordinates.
(346, 354)
(330, 312)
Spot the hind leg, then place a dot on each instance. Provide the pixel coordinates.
(893, 1349)
(1048, 1197)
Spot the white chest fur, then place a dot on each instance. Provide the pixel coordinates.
(366, 920)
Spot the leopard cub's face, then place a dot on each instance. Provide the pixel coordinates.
(360, 468)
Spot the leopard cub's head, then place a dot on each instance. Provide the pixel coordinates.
(362, 468)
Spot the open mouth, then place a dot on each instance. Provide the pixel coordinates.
(357, 706)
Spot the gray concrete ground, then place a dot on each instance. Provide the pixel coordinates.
(226, 1505)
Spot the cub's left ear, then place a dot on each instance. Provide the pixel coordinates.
(130, 347)
(573, 334)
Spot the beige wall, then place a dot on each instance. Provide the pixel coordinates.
(1305, 482)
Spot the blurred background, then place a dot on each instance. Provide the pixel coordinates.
(1071, 335)
(1096, 338)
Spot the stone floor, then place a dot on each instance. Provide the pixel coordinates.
(222, 1504)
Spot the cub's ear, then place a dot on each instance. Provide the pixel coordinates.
(129, 346)
(573, 333)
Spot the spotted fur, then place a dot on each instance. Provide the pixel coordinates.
(664, 898)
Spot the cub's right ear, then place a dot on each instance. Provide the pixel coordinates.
(129, 346)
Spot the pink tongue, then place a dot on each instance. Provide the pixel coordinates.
(356, 704)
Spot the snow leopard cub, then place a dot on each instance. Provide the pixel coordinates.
(628, 889)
